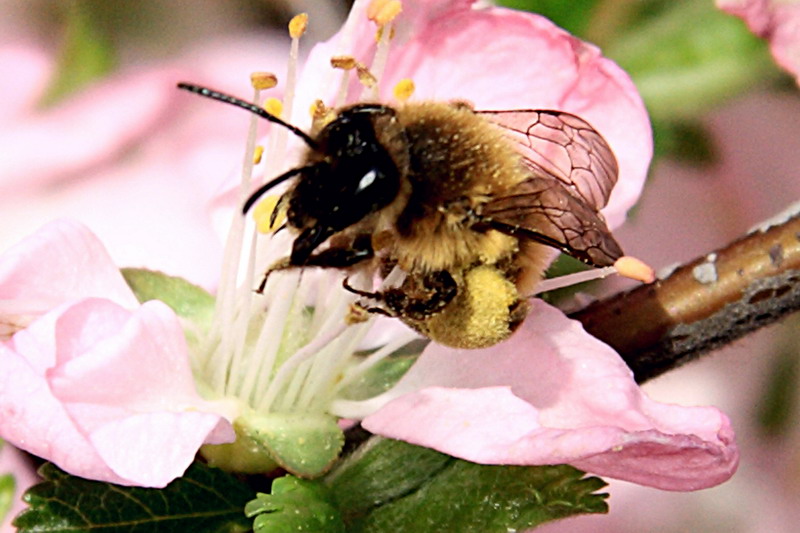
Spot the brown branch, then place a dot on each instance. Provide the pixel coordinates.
(705, 304)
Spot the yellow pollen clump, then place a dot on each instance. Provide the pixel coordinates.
(403, 90)
(298, 25)
(273, 106)
(262, 214)
(480, 316)
(382, 12)
(257, 154)
(344, 62)
(263, 80)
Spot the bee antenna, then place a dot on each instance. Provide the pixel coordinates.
(238, 102)
(270, 184)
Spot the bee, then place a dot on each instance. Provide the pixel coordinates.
(471, 205)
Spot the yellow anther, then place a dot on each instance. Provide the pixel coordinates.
(382, 12)
(344, 62)
(263, 80)
(318, 110)
(321, 115)
(365, 76)
(263, 214)
(633, 268)
(273, 106)
(403, 90)
(298, 25)
(257, 154)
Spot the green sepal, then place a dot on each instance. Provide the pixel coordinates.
(189, 301)
(388, 486)
(294, 506)
(204, 500)
(304, 444)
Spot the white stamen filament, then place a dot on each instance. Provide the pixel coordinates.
(573, 279)
(225, 306)
(380, 58)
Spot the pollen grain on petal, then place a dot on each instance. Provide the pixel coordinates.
(263, 80)
(298, 25)
(634, 268)
(404, 89)
(273, 106)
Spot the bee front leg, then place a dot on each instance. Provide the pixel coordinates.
(360, 249)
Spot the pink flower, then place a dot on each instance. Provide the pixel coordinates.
(96, 383)
(776, 21)
(550, 394)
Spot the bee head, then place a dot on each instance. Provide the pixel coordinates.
(353, 170)
(352, 175)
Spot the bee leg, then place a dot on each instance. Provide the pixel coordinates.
(423, 297)
(342, 257)
(334, 257)
(430, 296)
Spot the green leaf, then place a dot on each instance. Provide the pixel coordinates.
(381, 471)
(689, 58)
(188, 301)
(7, 487)
(389, 486)
(86, 55)
(490, 499)
(687, 141)
(574, 16)
(295, 505)
(204, 500)
(777, 409)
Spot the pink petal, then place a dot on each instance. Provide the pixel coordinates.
(92, 126)
(62, 261)
(553, 394)
(31, 68)
(773, 20)
(106, 393)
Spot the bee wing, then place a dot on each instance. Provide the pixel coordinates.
(572, 171)
(563, 146)
(541, 209)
